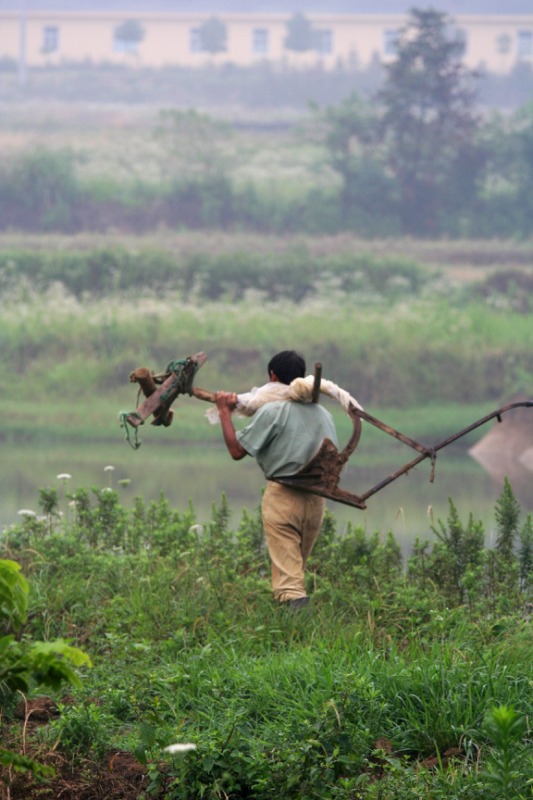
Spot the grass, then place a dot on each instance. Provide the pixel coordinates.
(391, 672)
(412, 352)
(472, 256)
(429, 360)
(354, 700)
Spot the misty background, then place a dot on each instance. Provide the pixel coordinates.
(374, 212)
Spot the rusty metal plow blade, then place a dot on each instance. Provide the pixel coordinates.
(322, 474)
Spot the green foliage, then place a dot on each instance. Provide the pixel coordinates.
(506, 196)
(458, 560)
(24, 662)
(213, 35)
(525, 554)
(13, 594)
(428, 123)
(130, 32)
(510, 762)
(368, 199)
(511, 286)
(295, 274)
(192, 145)
(507, 518)
(81, 731)
(40, 191)
(390, 670)
(300, 37)
(419, 161)
(21, 763)
(81, 319)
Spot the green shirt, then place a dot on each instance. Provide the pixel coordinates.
(284, 435)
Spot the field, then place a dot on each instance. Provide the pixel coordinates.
(399, 324)
(404, 680)
(410, 677)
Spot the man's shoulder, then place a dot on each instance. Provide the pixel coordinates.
(290, 408)
(316, 409)
(272, 408)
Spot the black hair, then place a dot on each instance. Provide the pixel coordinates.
(287, 366)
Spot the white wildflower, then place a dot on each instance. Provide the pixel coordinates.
(26, 512)
(179, 748)
(63, 476)
(109, 468)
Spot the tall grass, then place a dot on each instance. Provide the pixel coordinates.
(386, 675)
(416, 352)
(78, 316)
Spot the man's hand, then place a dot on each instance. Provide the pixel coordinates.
(226, 401)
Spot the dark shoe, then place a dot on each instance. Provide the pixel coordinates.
(297, 603)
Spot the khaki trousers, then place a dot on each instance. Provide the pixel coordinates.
(291, 520)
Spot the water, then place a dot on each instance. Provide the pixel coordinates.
(201, 474)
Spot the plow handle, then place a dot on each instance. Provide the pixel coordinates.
(202, 394)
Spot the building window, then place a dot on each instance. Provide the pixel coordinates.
(390, 43)
(524, 44)
(324, 41)
(195, 40)
(503, 44)
(50, 39)
(260, 41)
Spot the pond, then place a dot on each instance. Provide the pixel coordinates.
(202, 474)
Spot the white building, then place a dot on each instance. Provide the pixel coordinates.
(497, 34)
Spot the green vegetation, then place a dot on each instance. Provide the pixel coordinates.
(411, 678)
(395, 331)
(328, 174)
(26, 663)
(404, 681)
(417, 158)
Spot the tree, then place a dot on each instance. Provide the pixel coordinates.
(213, 36)
(367, 197)
(523, 146)
(300, 35)
(39, 191)
(128, 35)
(428, 125)
(196, 161)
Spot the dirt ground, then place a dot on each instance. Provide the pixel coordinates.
(119, 777)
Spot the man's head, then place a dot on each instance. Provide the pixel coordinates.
(286, 366)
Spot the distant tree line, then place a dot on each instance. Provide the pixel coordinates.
(419, 159)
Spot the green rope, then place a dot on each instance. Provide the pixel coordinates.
(176, 366)
(123, 417)
(183, 378)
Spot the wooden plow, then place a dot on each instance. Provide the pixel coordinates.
(322, 474)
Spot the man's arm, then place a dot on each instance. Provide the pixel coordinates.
(226, 403)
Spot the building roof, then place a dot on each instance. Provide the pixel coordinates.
(452, 7)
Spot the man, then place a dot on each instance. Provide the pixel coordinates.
(283, 436)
